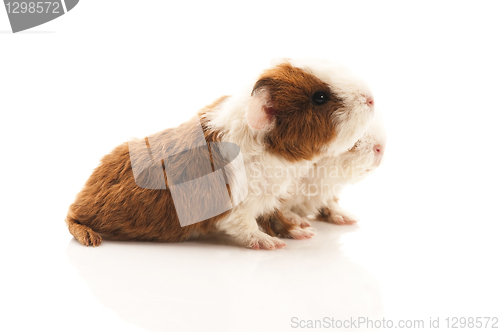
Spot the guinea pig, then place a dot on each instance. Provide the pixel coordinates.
(321, 188)
(294, 113)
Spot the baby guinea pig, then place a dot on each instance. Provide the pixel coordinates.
(320, 190)
(288, 118)
(322, 187)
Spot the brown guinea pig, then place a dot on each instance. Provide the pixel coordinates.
(184, 183)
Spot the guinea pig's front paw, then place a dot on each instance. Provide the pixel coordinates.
(299, 233)
(296, 219)
(339, 219)
(260, 240)
(336, 217)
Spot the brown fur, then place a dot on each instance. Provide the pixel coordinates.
(324, 214)
(275, 224)
(112, 205)
(301, 129)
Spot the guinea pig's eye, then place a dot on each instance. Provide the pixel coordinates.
(319, 98)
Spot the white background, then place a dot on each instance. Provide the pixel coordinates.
(427, 244)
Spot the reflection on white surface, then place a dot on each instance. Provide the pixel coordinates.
(198, 285)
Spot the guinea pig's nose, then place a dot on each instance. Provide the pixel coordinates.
(369, 101)
(379, 153)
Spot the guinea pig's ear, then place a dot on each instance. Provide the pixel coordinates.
(260, 111)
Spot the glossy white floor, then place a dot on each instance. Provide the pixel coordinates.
(426, 247)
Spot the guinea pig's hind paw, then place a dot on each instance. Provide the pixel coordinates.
(336, 218)
(260, 240)
(88, 237)
(85, 235)
(92, 238)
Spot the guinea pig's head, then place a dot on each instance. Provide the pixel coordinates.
(305, 108)
(367, 153)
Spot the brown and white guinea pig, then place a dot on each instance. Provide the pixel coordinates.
(292, 115)
(321, 188)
